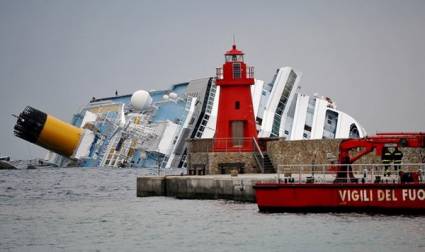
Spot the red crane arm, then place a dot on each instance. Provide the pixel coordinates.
(377, 143)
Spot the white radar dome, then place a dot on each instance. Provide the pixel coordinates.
(165, 97)
(173, 95)
(141, 99)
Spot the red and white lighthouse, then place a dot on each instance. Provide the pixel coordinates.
(235, 127)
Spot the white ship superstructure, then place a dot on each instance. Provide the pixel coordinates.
(288, 113)
(149, 129)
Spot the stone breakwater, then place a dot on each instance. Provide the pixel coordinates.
(238, 188)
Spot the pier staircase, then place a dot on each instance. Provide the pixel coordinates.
(263, 159)
(267, 164)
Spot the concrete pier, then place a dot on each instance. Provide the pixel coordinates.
(228, 187)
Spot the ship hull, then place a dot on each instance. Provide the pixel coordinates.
(353, 197)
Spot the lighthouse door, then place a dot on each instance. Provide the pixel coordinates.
(237, 133)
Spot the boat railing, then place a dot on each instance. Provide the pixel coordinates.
(354, 173)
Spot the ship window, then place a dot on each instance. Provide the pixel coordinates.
(354, 132)
(329, 129)
(259, 120)
(237, 105)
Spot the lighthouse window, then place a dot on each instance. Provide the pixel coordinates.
(230, 58)
(237, 105)
(236, 70)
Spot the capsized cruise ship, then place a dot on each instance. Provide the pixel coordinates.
(150, 128)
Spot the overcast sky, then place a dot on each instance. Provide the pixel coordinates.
(369, 56)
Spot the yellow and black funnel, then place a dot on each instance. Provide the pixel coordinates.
(47, 131)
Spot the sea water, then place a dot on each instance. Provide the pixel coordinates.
(79, 209)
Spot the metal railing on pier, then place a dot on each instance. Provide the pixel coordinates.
(258, 154)
(241, 144)
(154, 171)
(236, 144)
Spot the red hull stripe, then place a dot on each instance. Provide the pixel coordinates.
(403, 198)
(369, 210)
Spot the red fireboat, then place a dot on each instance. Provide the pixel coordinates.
(347, 187)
